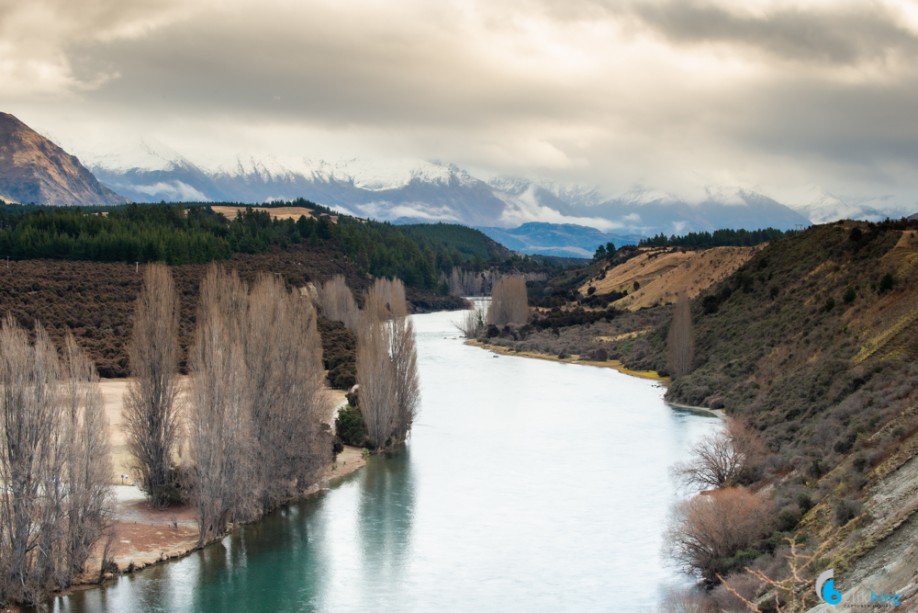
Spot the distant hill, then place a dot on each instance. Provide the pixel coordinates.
(657, 276)
(35, 170)
(563, 240)
(76, 267)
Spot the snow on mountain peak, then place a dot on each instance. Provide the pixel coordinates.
(146, 154)
(371, 175)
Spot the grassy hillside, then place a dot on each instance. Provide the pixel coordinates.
(814, 343)
(807, 326)
(657, 275)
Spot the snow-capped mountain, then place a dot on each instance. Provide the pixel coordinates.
(823, 207)
(403, 190)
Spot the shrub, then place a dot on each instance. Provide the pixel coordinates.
(829, 305)
(714, 533)
(887, 282)
(599, 355)
(787, 519)
(731, 456)
(349, 426)
(804, 501)
(846, 510)
(849, 295)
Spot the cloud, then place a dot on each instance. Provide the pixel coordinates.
(842, 33)
(768, 95)
(171, 190)
(38, 37)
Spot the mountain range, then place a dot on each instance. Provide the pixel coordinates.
(528, 216)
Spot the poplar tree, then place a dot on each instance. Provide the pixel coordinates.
(389, 390)
(150, 410)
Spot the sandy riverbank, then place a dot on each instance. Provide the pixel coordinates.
(142, 535)
(572, 359)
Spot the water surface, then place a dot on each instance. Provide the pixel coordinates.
(527, 485)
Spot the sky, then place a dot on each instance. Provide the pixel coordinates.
(796, 100)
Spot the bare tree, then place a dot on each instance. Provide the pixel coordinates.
(336, 302)
(88, 467)
(727, 457)
(680, 343)
(258, 400)
(375, 380)
(403, 352)
(150, 404)
(285, 376)
(509, 302)
(470, 283)
(386, 299)
(52, 505)
(387, 365)
(792, 593)
(27, 402)
(710, 528)
(472, 323)
(220, 432)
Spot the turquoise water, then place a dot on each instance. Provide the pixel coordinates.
(527, 485)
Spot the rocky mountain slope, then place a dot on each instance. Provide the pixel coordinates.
(35, 170)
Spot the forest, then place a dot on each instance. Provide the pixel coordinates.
(191, 233)
(718, 238)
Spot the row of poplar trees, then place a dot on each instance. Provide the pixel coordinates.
(387, 375)
(256, 404)
(55, 465)
(253, 416)
(257, 410)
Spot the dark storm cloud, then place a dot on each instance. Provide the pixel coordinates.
(842, 35)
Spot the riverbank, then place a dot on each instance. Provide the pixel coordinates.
(571, 359)
(614, 364)
(699, 410)
(142, 535)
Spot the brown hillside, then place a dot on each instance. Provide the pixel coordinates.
(35, 170)
(662, 273)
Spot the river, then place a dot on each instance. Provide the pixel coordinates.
(526, 485)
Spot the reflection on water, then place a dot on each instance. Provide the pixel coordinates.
(527, 485)
(386, 512)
